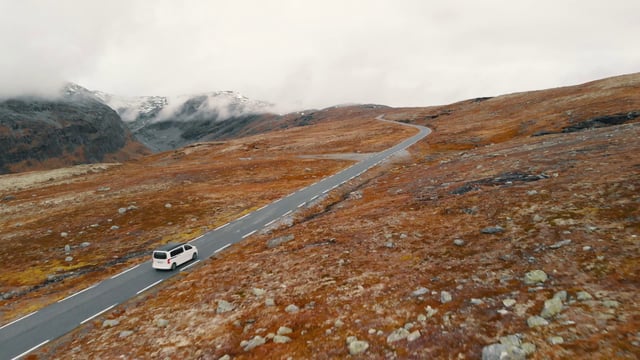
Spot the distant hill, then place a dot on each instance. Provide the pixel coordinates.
(166, 123)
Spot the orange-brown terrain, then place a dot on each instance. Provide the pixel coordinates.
(512, 228)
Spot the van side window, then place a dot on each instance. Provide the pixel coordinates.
(187, 247)
(175, 252)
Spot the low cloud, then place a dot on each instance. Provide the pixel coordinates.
(315, 54)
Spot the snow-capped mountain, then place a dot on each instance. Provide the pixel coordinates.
(168, 122)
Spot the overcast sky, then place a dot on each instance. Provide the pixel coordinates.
(305, 54)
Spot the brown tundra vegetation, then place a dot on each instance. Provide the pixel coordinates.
(513, 228)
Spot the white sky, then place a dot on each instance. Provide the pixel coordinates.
(305, 54)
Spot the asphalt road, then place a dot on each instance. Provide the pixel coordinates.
(28, 333)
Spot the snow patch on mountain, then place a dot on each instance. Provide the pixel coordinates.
(139, 111)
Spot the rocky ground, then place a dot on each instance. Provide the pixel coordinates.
(512, 229)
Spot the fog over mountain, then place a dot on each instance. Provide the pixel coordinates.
(315, 54)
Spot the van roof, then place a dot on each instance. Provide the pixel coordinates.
(169, 246)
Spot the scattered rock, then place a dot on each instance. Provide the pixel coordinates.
(430, 311)
(535, 321)
(68, 259)
(224, 306)
(513, 340)
(225, 357)
(162, 322)
(115, 227)
(110, 323)
(168, 205)
(253, 343)
(357, 346)
(583, 296)
(528, 348)
(492, 230)
(419, 291)
(458, 242)
(413, 336)
(397, 335)
(532, 192)
(562, 295)
(552, 307)
(67, 249)
(125, 333)
(535, 277)
(269, 302)
(64, 234)
(122, 211)
(508, 302)
(271, 243)
(338, 323)
(477, 301)
(281, 339)
(355, 195)
(554, 340)
(445, 297)
(9, 198)
(292, 308)
(560, 244)
(103, 189)
(258, 292)
(283, 330)
(611, 304)
(389, 244)
(85, 244)
(503, 352)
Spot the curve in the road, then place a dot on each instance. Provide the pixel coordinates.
(30, 332)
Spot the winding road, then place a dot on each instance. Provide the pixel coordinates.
(30, 332)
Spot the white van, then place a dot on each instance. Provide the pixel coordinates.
(172, 255)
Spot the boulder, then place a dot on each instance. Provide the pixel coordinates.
(535, 277)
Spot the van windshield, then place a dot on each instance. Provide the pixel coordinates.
(159, 255)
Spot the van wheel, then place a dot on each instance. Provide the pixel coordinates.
(173, 266)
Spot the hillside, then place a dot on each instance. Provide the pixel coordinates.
(41, 133)
(512, 228)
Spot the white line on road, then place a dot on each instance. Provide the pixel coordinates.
(249, 234)
(287, 213)
(78, 293)
(149, 287)
(243, 216)
(220, 227)
(199, 237)
(270, 222)
(190, 265)
(262, 208)
(313, 198)
(326, 191)
(222, 248)
(98, 314)
(30, 350)
(15, 321)
(301, 205)
(126, 271)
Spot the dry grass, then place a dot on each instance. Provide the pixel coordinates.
(358, 255)
(206, 184)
